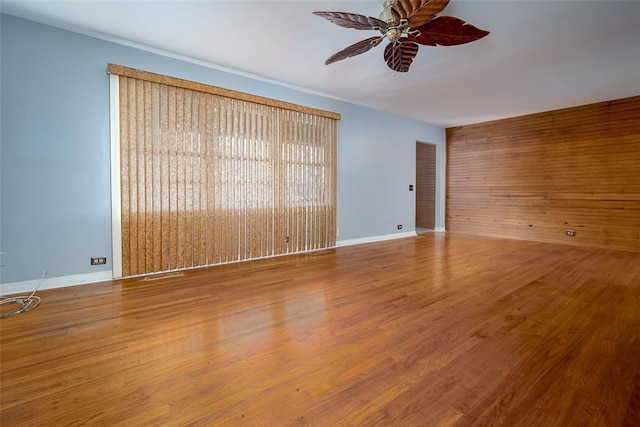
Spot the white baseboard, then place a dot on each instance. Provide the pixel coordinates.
(54, 282)
(373, 239)
(101, 276)
(439, 229)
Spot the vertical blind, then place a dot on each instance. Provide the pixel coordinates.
(208, 179)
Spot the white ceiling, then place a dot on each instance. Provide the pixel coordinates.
(540, 55)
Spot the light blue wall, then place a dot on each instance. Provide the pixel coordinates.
(55, 192)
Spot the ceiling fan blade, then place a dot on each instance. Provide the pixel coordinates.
(419, 12)
(353, 20)
(399, 55)
(447, 31)
(354, 49)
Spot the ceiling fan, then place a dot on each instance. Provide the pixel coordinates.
(405, 23)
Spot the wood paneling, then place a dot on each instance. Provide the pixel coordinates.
(536, 176)
(425, 185)
(435, 330)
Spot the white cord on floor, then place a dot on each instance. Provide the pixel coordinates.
(26, 303)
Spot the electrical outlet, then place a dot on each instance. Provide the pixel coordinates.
(410, 187)
(399, 226)
(98, 260)
(570, 233)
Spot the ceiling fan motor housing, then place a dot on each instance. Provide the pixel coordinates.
(393, 34)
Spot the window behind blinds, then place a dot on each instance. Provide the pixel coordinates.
(207, 178)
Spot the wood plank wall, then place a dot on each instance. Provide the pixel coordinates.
(425, 185)
(536, 176)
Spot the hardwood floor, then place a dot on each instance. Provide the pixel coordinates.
(437, 330)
